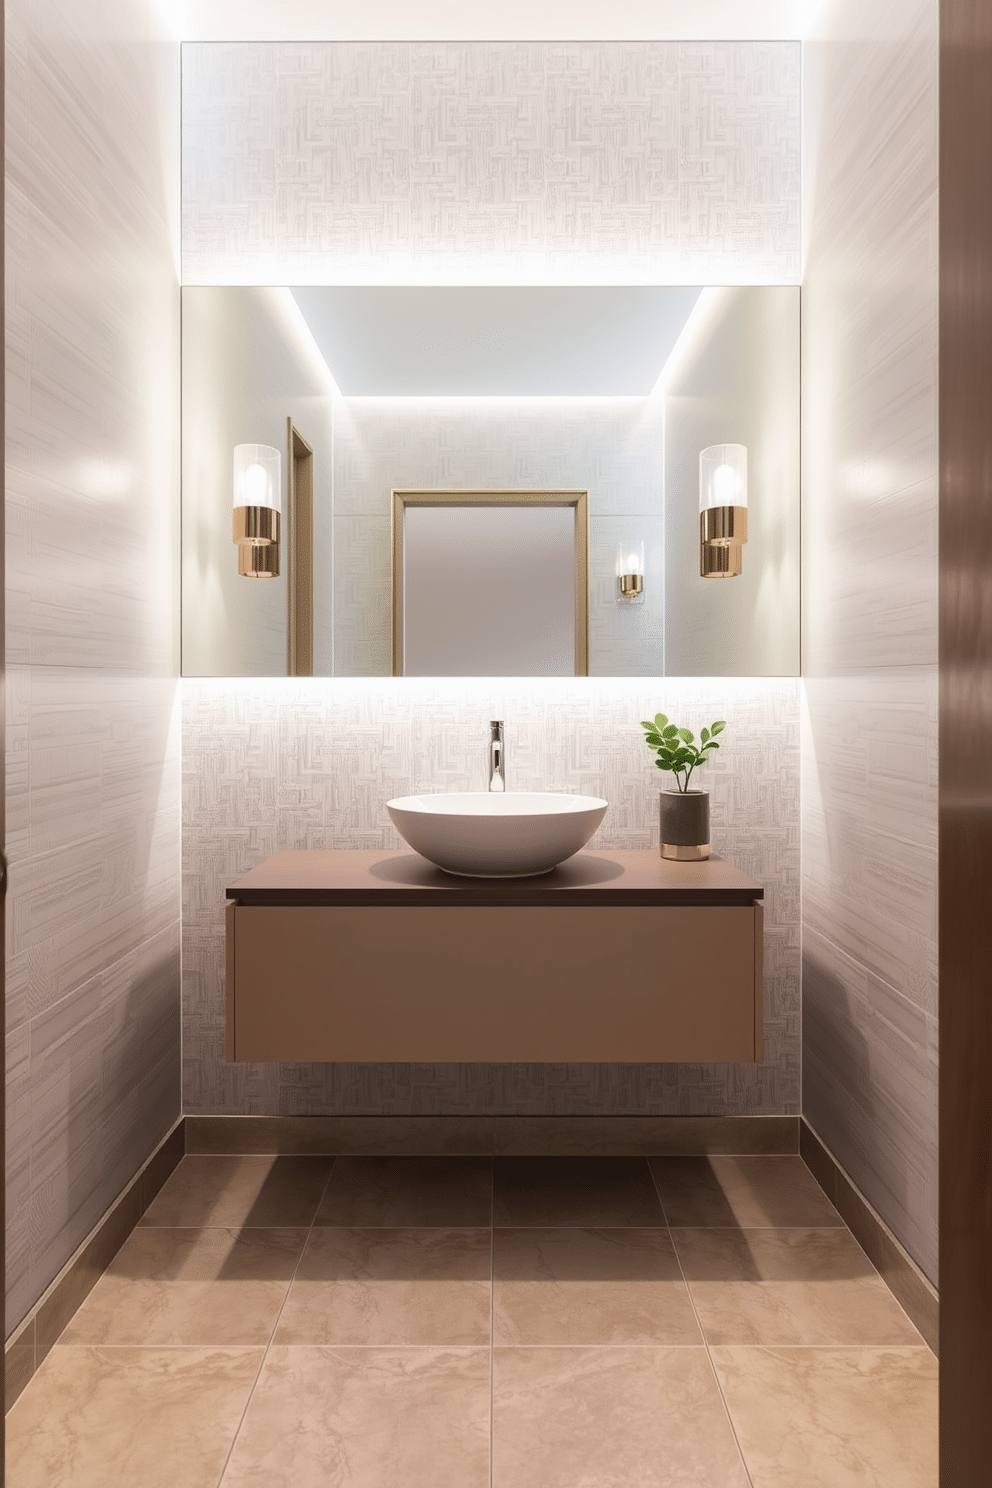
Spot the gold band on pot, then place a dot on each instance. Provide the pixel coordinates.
(676, 853)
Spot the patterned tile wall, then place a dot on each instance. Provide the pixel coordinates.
(93, 739)
(297, 764)
(491, 162)
(870, 605)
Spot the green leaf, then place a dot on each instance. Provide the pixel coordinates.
(653, 741)
(719, 726)
(704, 735)
(669, 732)
(652, 727)
(663, 764)
(687, 735)
(660, 721)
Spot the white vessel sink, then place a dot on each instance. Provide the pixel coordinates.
(481, 834)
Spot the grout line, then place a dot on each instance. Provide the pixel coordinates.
(201, 1229)
(698, 1228)
(841, 1225)
(475, 1348)
(832, 1348)
(702, 1331)
(275, 1325)
(250, 1348)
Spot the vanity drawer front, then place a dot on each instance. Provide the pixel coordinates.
(500, 984)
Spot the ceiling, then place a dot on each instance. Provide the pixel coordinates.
(472, 20)
(491, 342)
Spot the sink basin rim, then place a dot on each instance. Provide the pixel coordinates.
(496, 805)
(483, 834)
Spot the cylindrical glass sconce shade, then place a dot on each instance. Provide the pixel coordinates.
(722, 510)
(257, 509)
(723, 476)
(257, 476)
(630, 570)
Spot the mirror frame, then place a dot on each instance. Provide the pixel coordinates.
(577, 500)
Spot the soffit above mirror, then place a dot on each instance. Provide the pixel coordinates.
(491, 162)
(493, 342)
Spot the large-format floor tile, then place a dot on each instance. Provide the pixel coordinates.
(610, 1416)
(380, 1286)
(212, 1286)
(586, 1191)
(788, 1287)
(396, 1191)
(833, 1418)
(161, 1418)
(746, 1191)
(256, 1191)
(366, 1418)
(581, 1286)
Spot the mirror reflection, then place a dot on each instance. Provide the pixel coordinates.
(490, 584)
(611, 392)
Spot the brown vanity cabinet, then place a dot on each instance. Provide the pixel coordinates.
(380, 957)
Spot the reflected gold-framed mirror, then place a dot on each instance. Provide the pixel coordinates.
(490, 583)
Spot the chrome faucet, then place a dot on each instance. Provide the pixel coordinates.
(497, 760)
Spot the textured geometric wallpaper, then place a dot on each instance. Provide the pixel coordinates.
(491, 162)
(294, 763)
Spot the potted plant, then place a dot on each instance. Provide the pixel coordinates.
(685, 813)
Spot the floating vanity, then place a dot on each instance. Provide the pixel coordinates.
(381, 957)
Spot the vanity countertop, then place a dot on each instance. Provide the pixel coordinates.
(340, 876)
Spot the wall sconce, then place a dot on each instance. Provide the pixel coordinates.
(257, 508)
(630, 573)
(722, 510)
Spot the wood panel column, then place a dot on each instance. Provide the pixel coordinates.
(966, 742)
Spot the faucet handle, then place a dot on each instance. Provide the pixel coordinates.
(497, 764)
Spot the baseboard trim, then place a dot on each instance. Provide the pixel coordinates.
(544, 1136)
(913, 1291)
(32, 1339)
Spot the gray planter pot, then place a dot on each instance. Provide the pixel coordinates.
(685, 825)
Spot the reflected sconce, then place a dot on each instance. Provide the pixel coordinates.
(257, 508)
(630, 573)
(722, 510)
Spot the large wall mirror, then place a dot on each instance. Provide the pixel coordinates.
(612, 392)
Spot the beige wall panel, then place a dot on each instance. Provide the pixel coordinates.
(92, 533)
(869, 532)
(319, 982)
